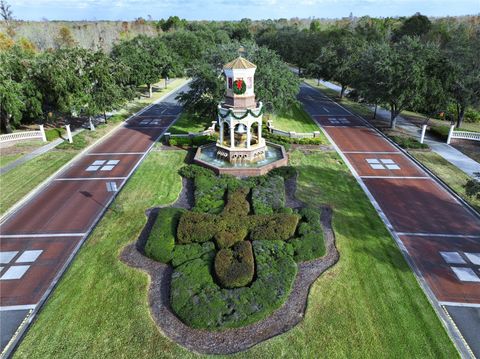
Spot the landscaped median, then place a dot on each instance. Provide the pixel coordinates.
(369, 303)
(21, 180)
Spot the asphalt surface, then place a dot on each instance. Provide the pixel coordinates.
(438, 234)
(39, 240)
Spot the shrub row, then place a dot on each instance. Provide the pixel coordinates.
(310, 244)
(161, 241)
(191, 141)
(195, 227)
(279, 226)
(235, 267)
(187, 252)
(269, 197)
(408, 142)
(200, 303)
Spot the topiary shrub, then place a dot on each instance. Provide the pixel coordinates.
(195, 227)
(310, 245)
(235, 267)
(237, 203)
(227, 238)
(192, 171)
(200, 303)
(279, 226)
(161, 241)
(187, 252)
(269, 197)
(209, 195)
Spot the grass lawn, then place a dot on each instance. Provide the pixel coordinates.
(294, 119)
(188, 122)
(454, 178)
(21, 180)
(368, 306)
(24, 178)
(5, 159)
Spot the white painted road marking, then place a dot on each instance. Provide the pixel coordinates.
(89, 178)
(42, 235)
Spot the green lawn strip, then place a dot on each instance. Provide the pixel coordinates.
(447, 172)
(99, 308)
(19, 181)
(294, 119)
(190, 123)
(5, 159)
(368, 306)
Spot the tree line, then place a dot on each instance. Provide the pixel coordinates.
(412, 64)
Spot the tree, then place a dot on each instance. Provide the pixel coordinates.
(275, 84)
(337, 59)
(108, 81)
(397, 75)
(462, 51)
(6, 15)
(19, 97)
(147, 58)
(416, 25)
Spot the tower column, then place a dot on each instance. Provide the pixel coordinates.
(249, 135)
(259, 130)
(232, 135)
(221, 132)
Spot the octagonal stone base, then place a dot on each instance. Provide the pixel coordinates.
(251, 162)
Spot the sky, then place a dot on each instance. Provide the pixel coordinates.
(234, 9)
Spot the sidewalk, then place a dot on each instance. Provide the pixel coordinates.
(39, 151)
(449, 153)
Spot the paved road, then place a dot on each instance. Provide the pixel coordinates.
(40, 239)
(439, 236)
(449, 153)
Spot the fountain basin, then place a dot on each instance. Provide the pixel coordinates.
(275, 156)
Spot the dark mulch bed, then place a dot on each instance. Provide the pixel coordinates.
(230, 340)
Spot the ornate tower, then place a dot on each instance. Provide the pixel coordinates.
(240, 116)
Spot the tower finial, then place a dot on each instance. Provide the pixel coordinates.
(241, 51)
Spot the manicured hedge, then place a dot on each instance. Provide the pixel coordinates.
(408, 142)
(187, 252)
(310, 244)
(237, 203)
(191, 141)
(235, 267)
(209, 195)
(200, 303)
(161, 241)
(195, 227)
(269, 197)
(279, 226)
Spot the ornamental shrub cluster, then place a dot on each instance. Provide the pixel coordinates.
(280, 226)
(235, 267)
(201, 303)
(191, 141)
(161, 241)
(269, 197)
(310, 242)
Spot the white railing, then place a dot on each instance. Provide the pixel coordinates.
(26, 135)
(291, 134)
(464, 135)
(208, 132)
